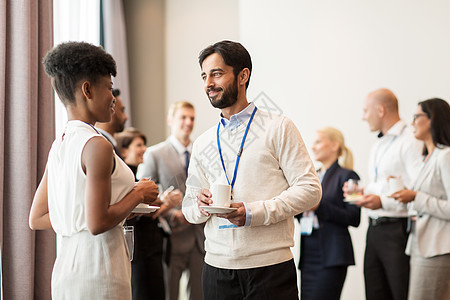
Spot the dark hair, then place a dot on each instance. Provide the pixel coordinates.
(70, 62)
(126, 137)
(116, 92)
(233, 54)
(438, 111)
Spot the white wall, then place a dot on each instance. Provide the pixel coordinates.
(317, 60)
(145, 25)
(190, 27)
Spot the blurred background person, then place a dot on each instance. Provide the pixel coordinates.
(132, 145)
(429, 242)
(396, 153)
(326, 248)
(166, 163)
(87, 191)
(116, 124)
(150, 238)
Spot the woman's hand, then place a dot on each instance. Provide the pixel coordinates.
(404, 196)
(148, 190)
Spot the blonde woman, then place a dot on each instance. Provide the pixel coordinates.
(326, 247)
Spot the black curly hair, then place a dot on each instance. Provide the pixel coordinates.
(233, 54)
(69, 63)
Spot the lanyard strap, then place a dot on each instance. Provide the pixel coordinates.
(384, 152)
(239, 152)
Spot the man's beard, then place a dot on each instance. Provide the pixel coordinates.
(229, 96)
(119, 127)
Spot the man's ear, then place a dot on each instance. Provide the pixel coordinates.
(243, 76)
(381, 110)
(86, 89)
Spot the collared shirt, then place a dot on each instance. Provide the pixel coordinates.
(180, 148)
(110, 138)
(321, 174)
(234, 122)
(240, 118)
(397, 153)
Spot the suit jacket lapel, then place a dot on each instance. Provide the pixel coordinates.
(174, 153)
(329, 173)
(424, 173)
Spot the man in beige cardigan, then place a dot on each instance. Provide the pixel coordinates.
(263, 158)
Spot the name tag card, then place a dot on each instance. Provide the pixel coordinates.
(306, 224)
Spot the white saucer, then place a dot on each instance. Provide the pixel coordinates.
(217, 209)
(143, 208)
(351, 198)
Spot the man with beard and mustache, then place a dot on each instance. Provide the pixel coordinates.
(117, 123)
(248, 252)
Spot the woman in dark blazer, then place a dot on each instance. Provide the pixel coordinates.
(326, 248)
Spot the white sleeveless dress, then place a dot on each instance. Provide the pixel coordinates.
(86, 266)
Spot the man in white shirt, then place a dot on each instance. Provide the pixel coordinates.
(263, 158)
(166, 163)
(396, 154)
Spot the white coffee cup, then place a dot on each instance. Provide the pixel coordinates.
(221, 195)
(395, 184)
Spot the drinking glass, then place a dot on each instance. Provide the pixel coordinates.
(128, 231)
(353, 188)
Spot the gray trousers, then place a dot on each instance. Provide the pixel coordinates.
(193, 263)
(429, 277)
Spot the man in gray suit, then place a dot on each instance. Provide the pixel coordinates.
(166, 163)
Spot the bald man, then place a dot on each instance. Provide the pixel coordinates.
(396, 153)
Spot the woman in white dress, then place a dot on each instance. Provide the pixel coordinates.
(87, 191)
(429, 202)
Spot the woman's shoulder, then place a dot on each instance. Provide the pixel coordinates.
(443, 153)
(443, 149)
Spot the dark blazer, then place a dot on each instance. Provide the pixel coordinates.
(334, 217)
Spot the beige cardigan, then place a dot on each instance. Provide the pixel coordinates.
(433, 205)
(276, 179)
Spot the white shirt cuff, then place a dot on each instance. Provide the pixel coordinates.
(248, 215)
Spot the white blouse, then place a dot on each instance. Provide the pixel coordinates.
(67, 180)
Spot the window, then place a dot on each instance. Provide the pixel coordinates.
(74, 20)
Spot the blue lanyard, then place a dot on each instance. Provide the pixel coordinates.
(239, 153)
(384, 152)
